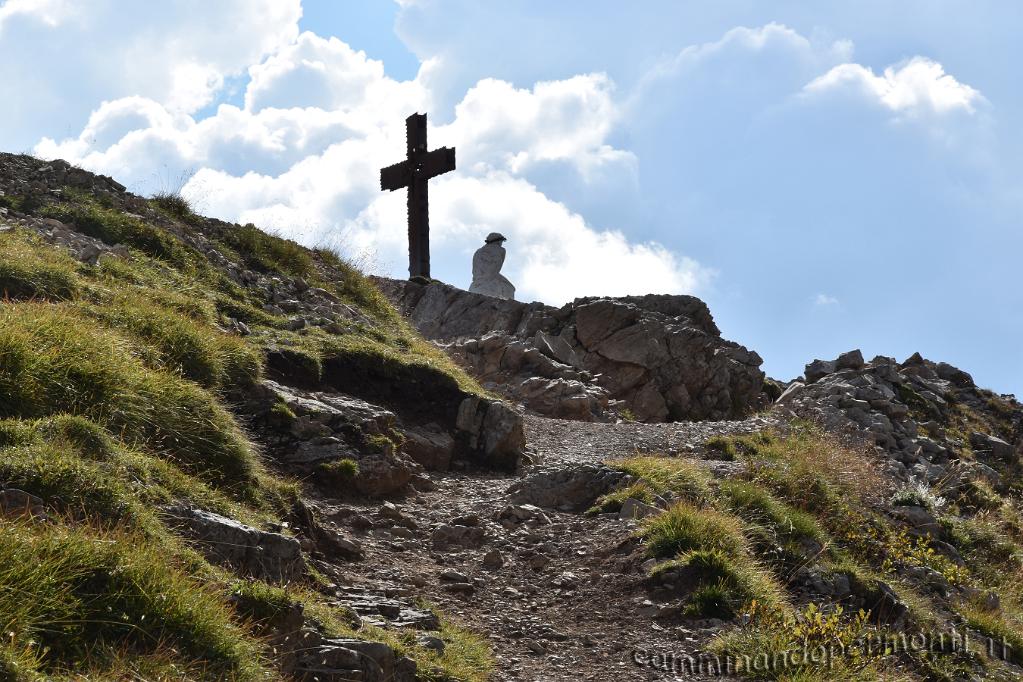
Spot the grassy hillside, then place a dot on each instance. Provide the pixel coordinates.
(119, 366)
(807, 526)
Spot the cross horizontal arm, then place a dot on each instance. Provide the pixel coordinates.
(437, 162)
(395, 177)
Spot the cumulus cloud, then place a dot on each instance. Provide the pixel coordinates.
(503, 127)
(327, 74)
(824, 301)
(773, 44)
(301, 158)
(917, 87)
(554, 255)
(63, 58)
(310, 95)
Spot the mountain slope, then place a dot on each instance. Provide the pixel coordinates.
(224, 456)
(126, 356)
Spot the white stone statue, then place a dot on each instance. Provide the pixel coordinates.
(486, 269)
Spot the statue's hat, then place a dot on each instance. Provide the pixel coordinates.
(496, 237)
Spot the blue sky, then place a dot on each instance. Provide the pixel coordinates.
(825, 175)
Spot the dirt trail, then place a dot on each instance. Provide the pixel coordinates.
(567, 603)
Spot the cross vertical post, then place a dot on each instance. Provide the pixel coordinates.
(414, 173)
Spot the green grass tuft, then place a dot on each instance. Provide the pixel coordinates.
(55, 361)
(683, 527)
(259, 602)
(338, 472)
(723, 447)
(173, 204)
(87, 438)
(268, 253)
(682, 478)
(714, 600)
(182, 343)
(612, 502)
(997, 627)
(83, 591)
(757, 505)
(29, 271)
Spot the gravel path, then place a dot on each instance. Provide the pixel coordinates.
(568, 601)
(556, 440)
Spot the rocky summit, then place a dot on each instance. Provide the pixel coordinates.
(224, 456)
(654, 358)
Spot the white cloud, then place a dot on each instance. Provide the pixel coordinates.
(302, 158)
(62, 58)
(825, 300)
(763, 60)
(918, 86)
(326, 73)
(502, 127)
(49, 12)
(554, 255)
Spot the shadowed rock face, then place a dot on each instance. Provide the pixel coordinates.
(659, 356)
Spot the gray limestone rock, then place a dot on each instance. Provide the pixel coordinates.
(347, 660)
(259, 554)
(446, 535)
(573, 489)
(661, 357)
(913, 411)
(429, 445)
(495, 432)
(998, 448)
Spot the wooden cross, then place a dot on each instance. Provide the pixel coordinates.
(413, 173)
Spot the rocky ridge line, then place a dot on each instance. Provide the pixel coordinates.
(655, 358)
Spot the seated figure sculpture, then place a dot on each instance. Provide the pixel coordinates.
(486, 269)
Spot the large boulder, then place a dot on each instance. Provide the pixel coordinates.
(993, 445)
(494, 431)
(252, 552)
(660, 357)
(572, 489)
(531, 373)
(430, 445)
(346, 660)
(312, 430)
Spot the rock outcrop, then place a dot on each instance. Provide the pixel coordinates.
(572, 489)
(314, 432)
(937, 426)
(343, 660)
(659, 357)
(250, 551)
